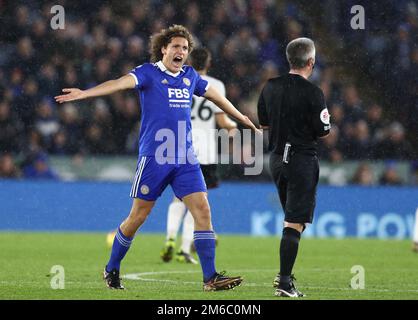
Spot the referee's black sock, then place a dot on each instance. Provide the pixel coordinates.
(288, 251)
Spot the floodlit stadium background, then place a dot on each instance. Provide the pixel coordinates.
(69, 167)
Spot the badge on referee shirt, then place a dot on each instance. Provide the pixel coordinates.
(324, 116)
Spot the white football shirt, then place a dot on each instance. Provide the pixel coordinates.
(204, 124)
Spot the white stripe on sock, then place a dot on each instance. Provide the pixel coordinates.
(125, 243)
(202, 237)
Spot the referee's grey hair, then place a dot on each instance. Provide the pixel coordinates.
(299, 51)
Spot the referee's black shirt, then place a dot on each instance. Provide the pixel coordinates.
(295, 111)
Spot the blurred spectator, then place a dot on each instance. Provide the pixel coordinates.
(359, 146)
(414, 172)
(213, 39)
(59, 144)
(394, 146)
(131, 144)
(37, 167)
(402, 48)
(26, 102)
(71, 126)
(268, 49)
(410, 115)
(95, 141)
(293, 29)
(337, 115)
(25, 58)
(8, 169)
(10, 129)
(46, 122)
(353, 107)
(248, 45)
(376, 122)
(70, 78)
(102, 70)
(390, 175)
(125, 115)
(135, 48)
(220, 19)
(48, 79)
(33, 142)
(102, 118)
(38, 35)
(192, 17)
(363, 175)
(21, 25)
(16, 82)
(329, 149)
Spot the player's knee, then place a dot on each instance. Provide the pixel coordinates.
(139, 213)
(202, 209)
(202, 214)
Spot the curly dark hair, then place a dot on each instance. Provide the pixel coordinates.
(163, 38)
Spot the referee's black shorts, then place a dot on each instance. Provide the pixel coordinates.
(210, 174)
(296, 183)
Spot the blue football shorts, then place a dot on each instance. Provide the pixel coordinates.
(151, 179)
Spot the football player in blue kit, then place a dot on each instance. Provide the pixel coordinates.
(165, 88)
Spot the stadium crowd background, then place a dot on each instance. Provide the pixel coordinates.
(374, 114)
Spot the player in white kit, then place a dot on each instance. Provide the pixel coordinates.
(206, 116)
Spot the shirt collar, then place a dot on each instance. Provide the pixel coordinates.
(163, 68)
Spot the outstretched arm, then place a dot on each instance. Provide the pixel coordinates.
(108, 87)
(224, 122)
(229, 108)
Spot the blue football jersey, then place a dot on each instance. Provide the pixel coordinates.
(166, 101)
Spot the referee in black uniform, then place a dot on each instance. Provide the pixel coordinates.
(295, 113)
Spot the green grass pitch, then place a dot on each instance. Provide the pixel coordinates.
(323, 268)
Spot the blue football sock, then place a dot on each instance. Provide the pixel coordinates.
(120, 246)
(204, 242)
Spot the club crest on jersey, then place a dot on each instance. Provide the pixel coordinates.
(186, 81)
(144, 189)
(165, 81)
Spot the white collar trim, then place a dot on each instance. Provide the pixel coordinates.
(163, 68)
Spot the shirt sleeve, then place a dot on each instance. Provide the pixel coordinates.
(321, 117)
(201, 86)
(139, 74)
(262, 110)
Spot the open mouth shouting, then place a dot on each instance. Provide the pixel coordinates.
(178, 62)
(175, 54)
